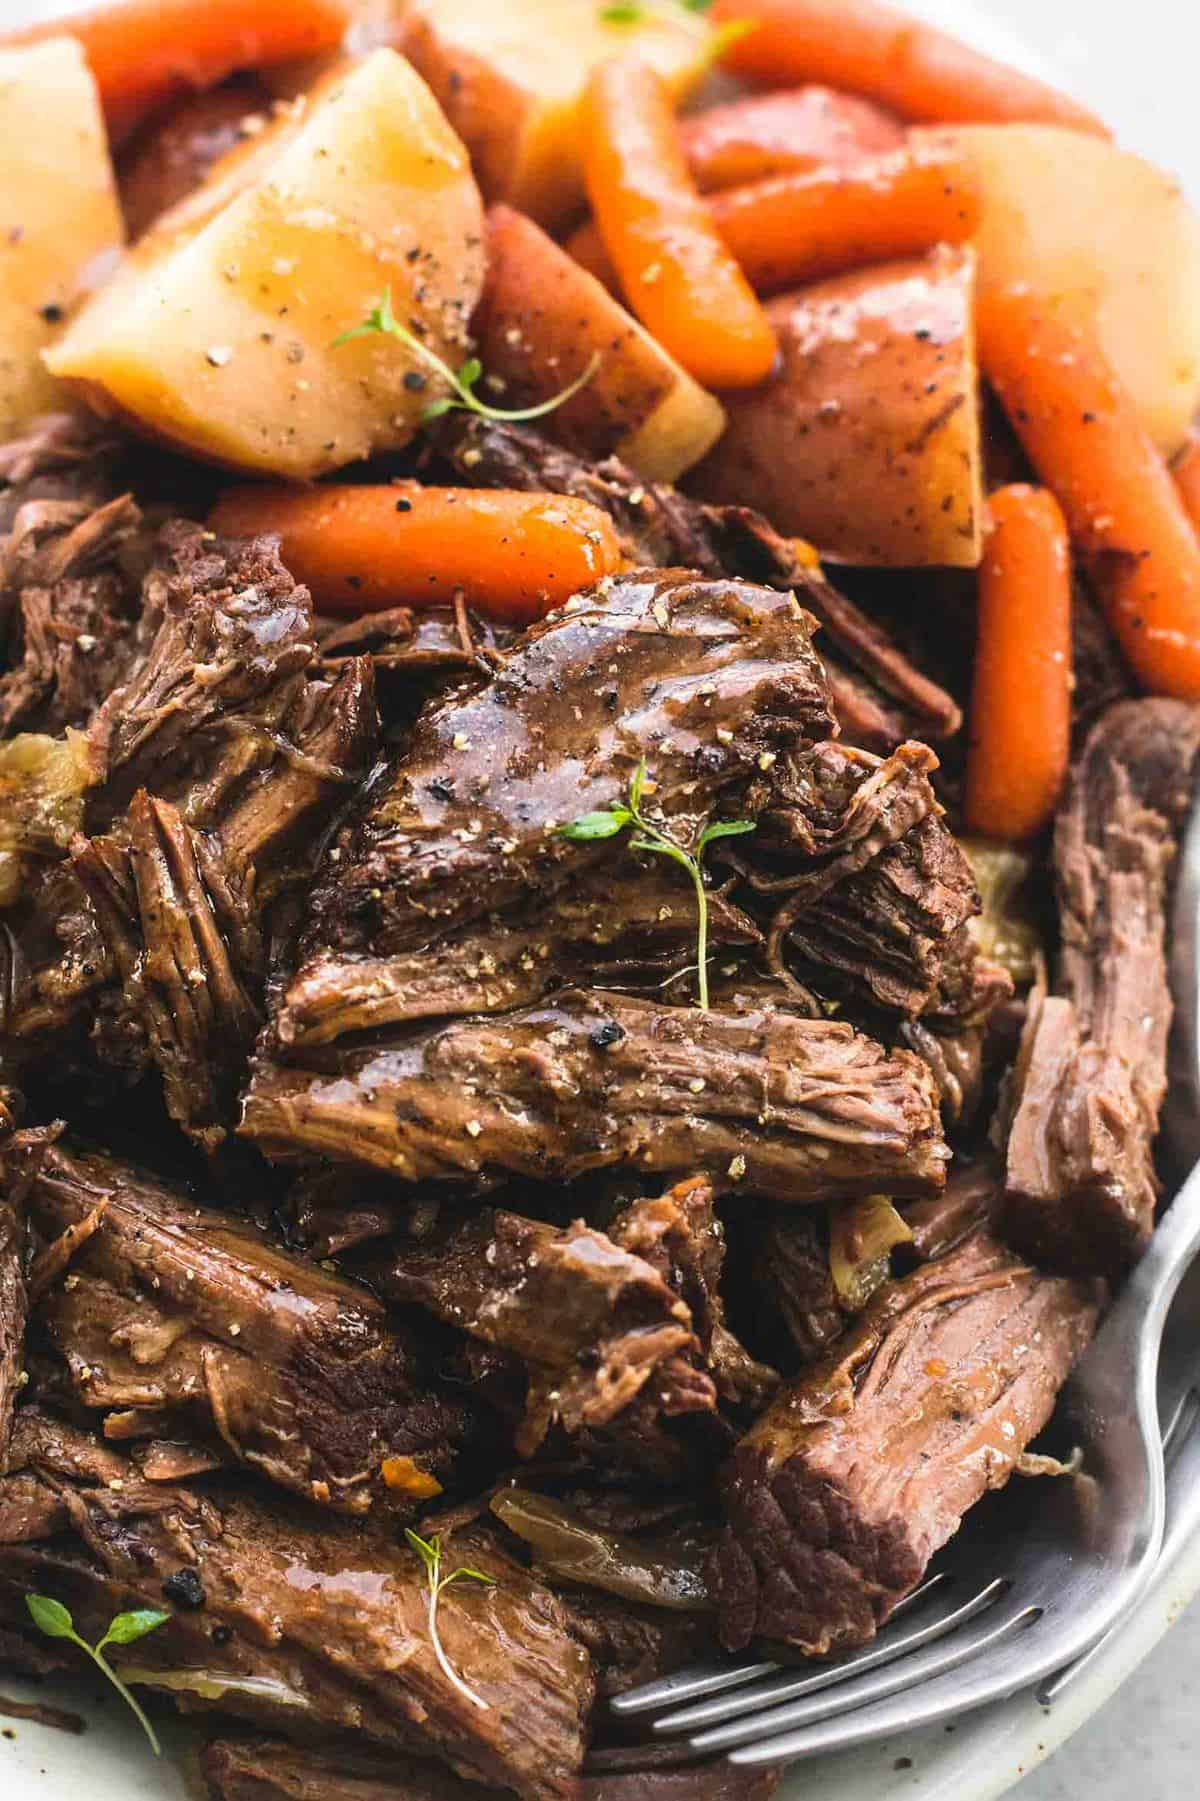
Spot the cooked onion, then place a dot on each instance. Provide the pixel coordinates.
(1005, 931)
(862, 1235)
(566, 1545)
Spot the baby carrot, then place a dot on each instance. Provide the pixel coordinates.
(774, 134)
(360, 549)
(799, 228)
(1186, 471)
(676, 273)
(1084, 436)
(879, 51)
(1020, 717)
(143, 51)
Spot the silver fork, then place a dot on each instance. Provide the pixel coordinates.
(1066, 1560)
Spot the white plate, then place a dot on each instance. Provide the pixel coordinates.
(1147, 91)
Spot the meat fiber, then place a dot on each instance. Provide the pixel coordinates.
(289, 1617)
(1092, 1071)
(175, 1317)
(880, 697)
(864, 1466)
(761, 1101)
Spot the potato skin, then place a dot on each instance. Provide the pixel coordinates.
(174, 155)
(1110, 233)
(866, 439)
(543, 318)
(510, 75)
(219, 332)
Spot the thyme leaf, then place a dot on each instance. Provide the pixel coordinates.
(52, 1618)
(652, 839)
(429, 1550)
(462, 383)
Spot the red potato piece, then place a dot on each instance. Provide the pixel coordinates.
(543, 318)
(510, 76)
(774, 134)
(1107, 233)
(169, 161)
(866, 440)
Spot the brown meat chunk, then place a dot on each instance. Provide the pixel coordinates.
(881, 698)
(304, 1620)
(865, 1465)
(593, 1322)
(256, 1769)
(764, 1101)
(700, 678)
(1092, 1070)
(194, 1315)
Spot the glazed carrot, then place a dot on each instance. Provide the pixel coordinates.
(1186, 471)
(879, 51)
(774, 134)
(676, 274)
(1020, 741)
(799, 228)
(516, 555)
(143, 51)
(1084, 436)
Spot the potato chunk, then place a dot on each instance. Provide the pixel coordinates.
(866, 438)
(543, 318)
(511, 75)
(1109, 233)
(61, 223)
(218, 332)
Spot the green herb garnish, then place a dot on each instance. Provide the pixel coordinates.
(52, 1618)
(430, 1553)
(649, 837)
(382, 319)
(626, 12)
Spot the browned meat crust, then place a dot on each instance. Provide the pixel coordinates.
(763, 1101)
(880, 697)
(1092, 1070)
(270, 1770)
(316, 1623)
(193, 1318)
(840, 1494)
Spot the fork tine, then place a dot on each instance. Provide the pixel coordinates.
(716, 1678)
(1179, 1426)
(686, 1685)
(895, 1712)
(818, 1710)
(791, 1686)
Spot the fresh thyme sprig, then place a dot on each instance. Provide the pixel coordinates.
(381, 319)
(649, 837)
(430, 1552)
(52, 1618)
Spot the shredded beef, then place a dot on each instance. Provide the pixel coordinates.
(326, 1618)
(882, 697)
(1092, 1069)
(763, 1101)
(864, 1466)
(191, 1316)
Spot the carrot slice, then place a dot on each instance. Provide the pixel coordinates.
(676, 273)
(799, 228)
(774, 134)
(1084, 436)
(1186, 470)
(1020, 719)
(144, 51)
(516, 555)
(876, 50)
